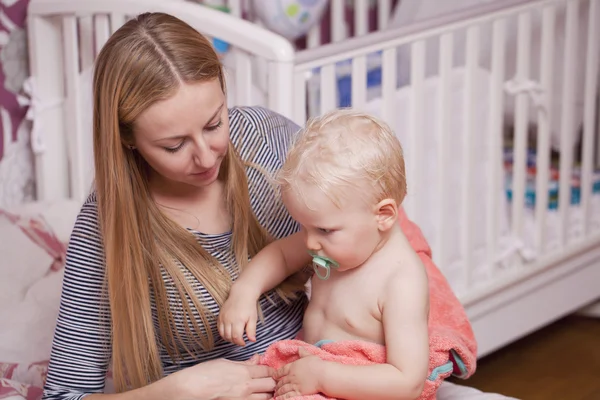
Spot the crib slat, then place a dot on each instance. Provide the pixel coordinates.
(361, 17)
(279, 85)
(388, 86)
(415, 123)
(116, 21)
(566, 137)
(520, 138)
(300, 98)
(314, 37)
(101, 31)
(591, 85)
(86, 41)
(338, 22)
(235, 7)
(359, 81)
(442, 123)
(468, 194)
(495, 172)
(543, 131)
(73, 107)
(243, 78)
(328, 88)
(384, 9)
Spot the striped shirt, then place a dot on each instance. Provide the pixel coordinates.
(81, 348)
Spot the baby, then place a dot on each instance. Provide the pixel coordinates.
(343, 182)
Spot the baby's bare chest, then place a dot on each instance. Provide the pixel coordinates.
(349, 307)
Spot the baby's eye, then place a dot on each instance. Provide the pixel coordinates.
(323, 230)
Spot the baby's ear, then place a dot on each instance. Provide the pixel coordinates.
(387, 214)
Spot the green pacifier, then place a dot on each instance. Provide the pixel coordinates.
(323, 262)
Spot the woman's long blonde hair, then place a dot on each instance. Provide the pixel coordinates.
(143, 62)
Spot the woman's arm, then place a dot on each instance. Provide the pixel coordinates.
(81, 349)
(81, 346)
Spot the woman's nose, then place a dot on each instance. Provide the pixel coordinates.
(203, 156)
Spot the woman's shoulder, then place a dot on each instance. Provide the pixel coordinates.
(251, 125)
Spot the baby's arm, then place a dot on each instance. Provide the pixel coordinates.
(271, 266)
(405, 310)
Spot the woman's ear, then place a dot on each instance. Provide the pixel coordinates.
(386, 213)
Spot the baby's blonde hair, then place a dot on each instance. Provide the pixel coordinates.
(347, 148)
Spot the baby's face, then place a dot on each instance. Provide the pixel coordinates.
(349, 234)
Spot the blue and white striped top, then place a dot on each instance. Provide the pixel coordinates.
(81, 347)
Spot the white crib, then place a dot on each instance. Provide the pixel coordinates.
(515, 265)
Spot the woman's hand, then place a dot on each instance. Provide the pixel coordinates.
(238, 314)
(224, 380)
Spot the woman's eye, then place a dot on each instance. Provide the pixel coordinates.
(174, 149)
(215, 126)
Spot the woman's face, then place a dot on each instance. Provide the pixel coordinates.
(185, 138)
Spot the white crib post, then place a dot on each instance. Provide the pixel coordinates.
(521, 116)
(468, 194)
(415, 125)
(566, 128)
(280, 84)
(338, 22)
(590, 117)
(45, 42)
(361, 17)
(495, 131)
(74, 110)
(543, 131)
(443, 141)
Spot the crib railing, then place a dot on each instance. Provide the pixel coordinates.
(490, 36)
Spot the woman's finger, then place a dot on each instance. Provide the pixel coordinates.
(261, 385)
(260, 396)
(260, 371)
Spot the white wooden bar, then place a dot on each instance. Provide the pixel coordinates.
(313, 39)
(300, 98)
(566, 138)
(384, 9)
(73, 111)
(468, 193)
(86, 41)
(521, 112)
(388, 86)
(361, 17)
(279, 84)
(543, 131)
(359, 81)
(45, 42)
(116, 21)
(338, 22)
(243, 78)
(495, 132)
(415, 123)
(101, 31)
(590, 117)
(443, 142)
(328, 88)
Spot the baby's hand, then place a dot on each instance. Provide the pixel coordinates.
(299, 378)
(238, 313)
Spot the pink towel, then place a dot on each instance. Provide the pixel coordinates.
(452, 345)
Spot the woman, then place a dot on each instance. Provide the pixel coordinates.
(174, 216)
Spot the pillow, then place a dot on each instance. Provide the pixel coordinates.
(31, 267)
